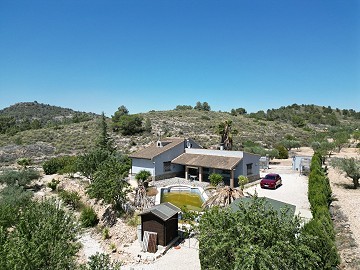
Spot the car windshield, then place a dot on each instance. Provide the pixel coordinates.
(271, 177)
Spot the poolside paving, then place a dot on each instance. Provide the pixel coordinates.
(178, 181)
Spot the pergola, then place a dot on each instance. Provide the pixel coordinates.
(200, 162)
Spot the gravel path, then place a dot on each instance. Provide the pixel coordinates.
(90, 245)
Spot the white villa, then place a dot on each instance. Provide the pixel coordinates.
(185, 158)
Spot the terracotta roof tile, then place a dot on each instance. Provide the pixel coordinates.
(207, 161)
(153, 150)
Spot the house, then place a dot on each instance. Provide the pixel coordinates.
(230, 164)
(161, 219)
(301, 164)
(185, 158)
(157, 158)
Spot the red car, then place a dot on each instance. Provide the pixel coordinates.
(271, 180)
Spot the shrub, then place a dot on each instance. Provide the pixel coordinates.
(283, 152)
(242, 181)
(106, 233)
(321, 227)
(71, 198)
(65, 164)
(215, 179)
(142, 177)
(53, 184)
(21, 178)
(24, 162)
(88, 217)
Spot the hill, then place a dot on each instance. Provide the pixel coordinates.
(33, 115)
(261, 128)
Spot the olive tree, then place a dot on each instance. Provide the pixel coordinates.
(349, 166)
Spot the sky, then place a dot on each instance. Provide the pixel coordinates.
(95, 56)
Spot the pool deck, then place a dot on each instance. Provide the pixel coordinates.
(178, 181)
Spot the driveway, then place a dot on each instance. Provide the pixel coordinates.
(293, 190)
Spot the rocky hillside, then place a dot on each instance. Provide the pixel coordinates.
(74, 137)
(40, 111)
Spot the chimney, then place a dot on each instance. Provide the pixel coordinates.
(159, 144)
(221, 146)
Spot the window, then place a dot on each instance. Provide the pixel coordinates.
(167, 166)
(249, 168)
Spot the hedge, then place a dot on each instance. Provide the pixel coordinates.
(321, 226)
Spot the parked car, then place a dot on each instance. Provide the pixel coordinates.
(271, 180)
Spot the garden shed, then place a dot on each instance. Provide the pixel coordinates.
(161, 219)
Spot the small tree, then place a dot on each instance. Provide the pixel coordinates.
(242, 181)
(283, 152)
(351, 168)
(215, 179)
(104, 140)
(109, 184)
(142, 177)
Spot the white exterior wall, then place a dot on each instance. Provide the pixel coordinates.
(168, 156)
(156, 165)
(224, 153)
(142, 164)
(297, 160)
(248, 159)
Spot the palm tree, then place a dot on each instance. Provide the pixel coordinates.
(226, 133)
(141, 200)
(223, 196)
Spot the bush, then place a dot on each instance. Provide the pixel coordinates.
(21, 178)
(24, 162)
(321, 227)
(71, 198)
(283, 152)
(53, 184)
(215, 179)
(88, 217)
(106, 233)
(142, 177)
(65, 164)
(242, 181)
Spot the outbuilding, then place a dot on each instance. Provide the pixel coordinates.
(161, 219)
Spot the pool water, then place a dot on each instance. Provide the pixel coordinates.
(190, 200)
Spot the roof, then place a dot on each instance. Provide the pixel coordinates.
(207, 161)
(275, 204)
(153, 150)
(164, 210)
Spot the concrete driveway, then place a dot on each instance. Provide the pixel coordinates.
(293, 190)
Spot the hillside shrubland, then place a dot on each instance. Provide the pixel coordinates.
(291, 126)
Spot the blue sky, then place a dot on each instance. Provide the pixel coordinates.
(153, 55)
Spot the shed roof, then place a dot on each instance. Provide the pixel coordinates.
(207, 161)
(164, 210)
(275, 204)
(153, 150)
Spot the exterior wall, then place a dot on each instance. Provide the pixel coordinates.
(166, 230)
(152, 223)
(156, 166)
(297, 160)
(224, 153)
(171, 229)
(168, 156)
(248, 159)
(142, 164)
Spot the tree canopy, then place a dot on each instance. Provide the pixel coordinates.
(349, 166)
(254, 237)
